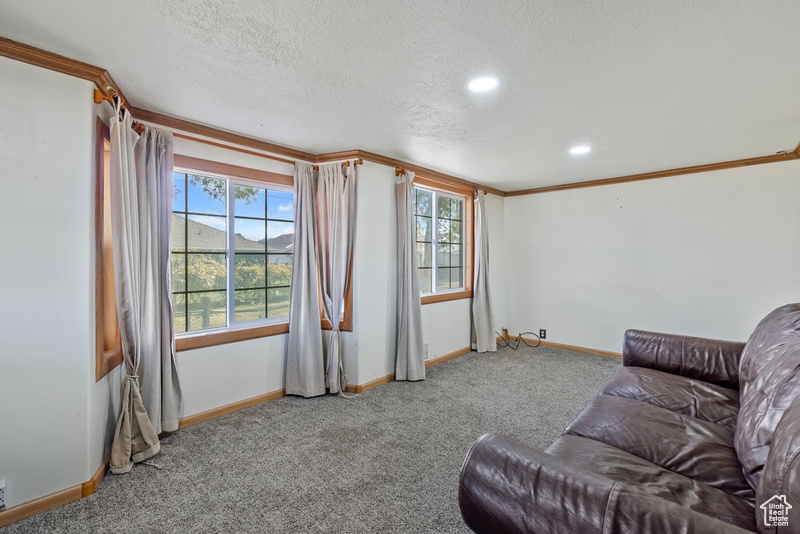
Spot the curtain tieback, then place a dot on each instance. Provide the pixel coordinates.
(133, 378)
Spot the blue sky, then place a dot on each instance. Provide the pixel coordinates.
(278, 204)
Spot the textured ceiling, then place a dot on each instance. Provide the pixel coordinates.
(650, 84)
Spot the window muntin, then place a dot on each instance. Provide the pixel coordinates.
(211, 288)
(440, 254)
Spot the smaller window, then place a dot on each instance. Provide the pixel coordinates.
(443, 240)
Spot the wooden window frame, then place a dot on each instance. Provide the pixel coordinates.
(469, 235)
(108, 343)
(233, 335)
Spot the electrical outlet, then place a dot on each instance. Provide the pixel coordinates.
(2, 493)
(542, 333)
(425, 350)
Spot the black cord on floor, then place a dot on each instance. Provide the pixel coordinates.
(507, 342)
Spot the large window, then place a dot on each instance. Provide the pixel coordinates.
(441, 244)
(231, 252)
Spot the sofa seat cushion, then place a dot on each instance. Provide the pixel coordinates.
(702, 400)
(652, 479)
(691, 447)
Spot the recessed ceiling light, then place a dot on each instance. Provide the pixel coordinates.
(577, 150)
(483, 84)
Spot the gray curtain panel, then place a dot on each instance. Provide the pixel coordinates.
(410, 359)
(335, 224)
(135, 439)
(158, 368)
(482, 317)
(305, 371)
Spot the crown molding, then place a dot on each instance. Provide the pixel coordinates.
(760, 160)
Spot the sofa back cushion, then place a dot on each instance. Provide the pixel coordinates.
(769, 380)
(780, 479)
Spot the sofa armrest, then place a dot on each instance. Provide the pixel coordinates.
(505, 486)
(709, 360)
(508, 487)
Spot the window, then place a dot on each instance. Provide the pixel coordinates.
(444, 242)
(213, 289)
(108, 345)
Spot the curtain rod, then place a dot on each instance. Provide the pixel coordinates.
(99, 97)
(358, 161)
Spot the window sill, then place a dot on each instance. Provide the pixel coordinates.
(229, 336)
(442, 297)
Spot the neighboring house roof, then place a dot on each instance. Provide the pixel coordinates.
(203, 237)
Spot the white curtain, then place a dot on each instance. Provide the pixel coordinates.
(141, 205)
(482, 318)
(305, 372)
(158, 369)
(410, 359)
(335, 223)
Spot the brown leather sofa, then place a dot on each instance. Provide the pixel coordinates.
(689, 435)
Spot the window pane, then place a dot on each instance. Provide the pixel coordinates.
(179, 189)
(207, 310)
(250, 305)
(444, 231)
(424, 254)
(456, 208)
(178, 272)
(207, 271)
(422, 202)
(443, 278)
(249, 201)
(425, 284)
(280, 236)
(456, 278)
(444, 207)
(455, 231)
(178, 232)
(207, 195)
(281, 205)
(248, 271)
(206, 233)
(249, 235)
(443, 259)
(279, 270)
(456, 256)
(278, 302)
(179, 312)
(424, 229)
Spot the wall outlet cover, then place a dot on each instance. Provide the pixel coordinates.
(542, 333)
(2, 493)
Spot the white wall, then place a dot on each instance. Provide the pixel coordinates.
(704, 254)
(46, 280)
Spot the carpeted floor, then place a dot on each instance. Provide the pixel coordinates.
(387, 461)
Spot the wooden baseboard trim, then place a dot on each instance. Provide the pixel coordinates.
(350, 388)
(230, 408)
(54, 500)
(90, 486)
(361, 388)
(42, 504)
(573, 348)
(450, 356)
